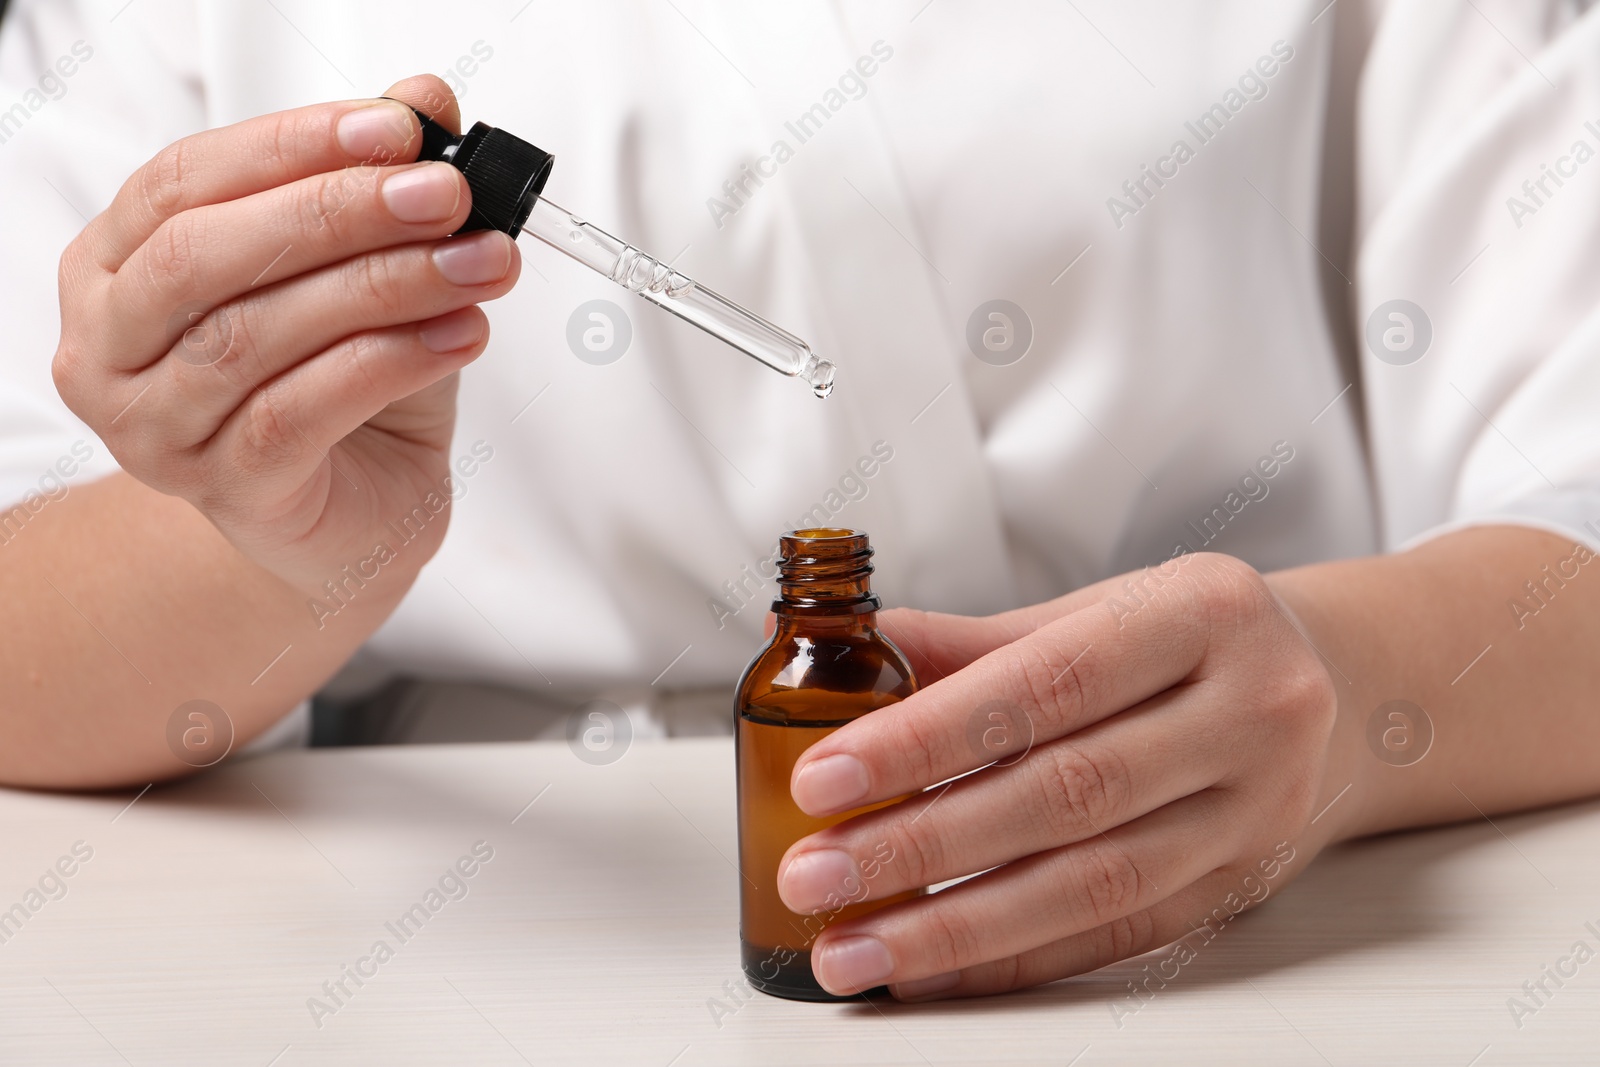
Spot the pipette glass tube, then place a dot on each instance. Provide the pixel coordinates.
(661, 285)
(507, 175)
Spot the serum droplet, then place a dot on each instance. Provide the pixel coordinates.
(821, 377)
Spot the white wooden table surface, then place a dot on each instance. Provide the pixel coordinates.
(604, 930)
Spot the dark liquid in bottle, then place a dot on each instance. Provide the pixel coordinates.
(825, 666)
(776, 941)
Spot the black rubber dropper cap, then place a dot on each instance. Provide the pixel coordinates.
(506, 174)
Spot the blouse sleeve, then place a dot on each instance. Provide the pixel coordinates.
(1478, 265)
(88, 93)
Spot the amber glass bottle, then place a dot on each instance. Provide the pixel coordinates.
(825, 665)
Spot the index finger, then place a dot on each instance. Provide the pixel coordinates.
(1066, 674)
(250, 157)
(940, 644)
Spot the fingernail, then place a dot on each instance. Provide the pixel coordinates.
(377, 133)
(852, 964)
(452, 332)
(429, 193)
(476, 260)
(812, 877)
(925, 987)
(830, 783)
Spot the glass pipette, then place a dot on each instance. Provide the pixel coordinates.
(658, 283)
(507, 175)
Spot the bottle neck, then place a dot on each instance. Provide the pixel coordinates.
(824, 627)
(825, 573)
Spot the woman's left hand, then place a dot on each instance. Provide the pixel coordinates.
(1151, 749)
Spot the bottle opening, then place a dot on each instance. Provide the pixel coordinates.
(824, 570)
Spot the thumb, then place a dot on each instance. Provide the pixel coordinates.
(940, 644)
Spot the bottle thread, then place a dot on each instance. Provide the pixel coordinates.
(824, 571)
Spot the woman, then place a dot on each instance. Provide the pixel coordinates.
(1226, 379)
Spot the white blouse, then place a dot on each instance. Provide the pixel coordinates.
(1104, 281)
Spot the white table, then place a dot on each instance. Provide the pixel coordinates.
(211, 910)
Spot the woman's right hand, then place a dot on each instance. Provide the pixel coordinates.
(269, 319)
